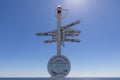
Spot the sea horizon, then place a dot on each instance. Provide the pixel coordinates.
(68, 78)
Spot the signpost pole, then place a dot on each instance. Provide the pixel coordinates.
(59, 10)
(59, 66)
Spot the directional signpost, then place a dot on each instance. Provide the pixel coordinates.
(59, 66)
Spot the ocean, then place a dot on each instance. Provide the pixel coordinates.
(63, 79)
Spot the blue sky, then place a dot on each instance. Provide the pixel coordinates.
(22, 54)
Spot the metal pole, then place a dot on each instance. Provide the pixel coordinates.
(59, 9)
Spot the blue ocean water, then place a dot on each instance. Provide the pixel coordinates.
(63, 79)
